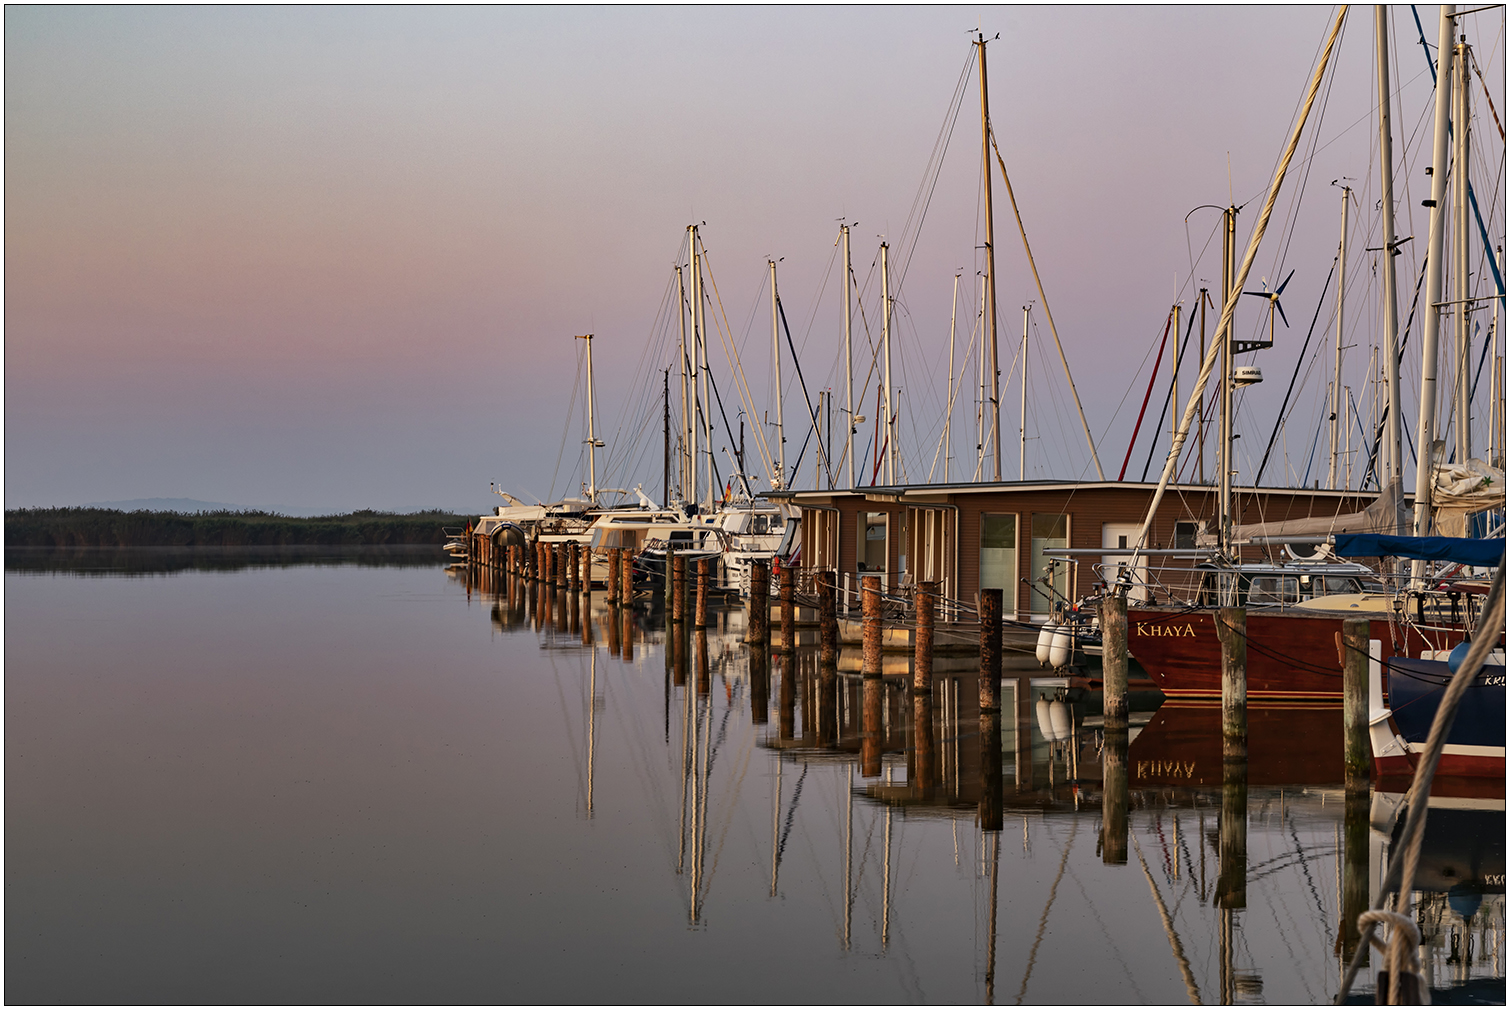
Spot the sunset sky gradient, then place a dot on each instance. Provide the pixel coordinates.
(334, 257)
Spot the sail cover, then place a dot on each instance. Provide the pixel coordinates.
(1478, 553)
(1383, 516)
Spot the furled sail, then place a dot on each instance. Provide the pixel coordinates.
(1384, 515)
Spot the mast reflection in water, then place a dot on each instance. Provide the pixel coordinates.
(338, 783)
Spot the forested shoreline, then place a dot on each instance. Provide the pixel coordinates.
(94, 527)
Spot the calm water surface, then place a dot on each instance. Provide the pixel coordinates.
(351, 776)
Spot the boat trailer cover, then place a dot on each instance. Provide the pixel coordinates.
(1478, 553)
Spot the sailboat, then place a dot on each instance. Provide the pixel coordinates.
(1290, 647)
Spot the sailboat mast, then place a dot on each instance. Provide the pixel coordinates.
(949, 401)
(1394, 467)
(1022, 419)
(1224, 334)
(684, 433)
(985, 156)
(592, 434)
(1460, 171)
(1337, 402)
(890, 433)
(980, 374)
(696, 346)
(776, 364)
(1174, 391)
(849, 365)
(1432, 323)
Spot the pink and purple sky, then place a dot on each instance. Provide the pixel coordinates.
(334, 258)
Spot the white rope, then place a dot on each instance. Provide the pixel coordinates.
(1401, 951)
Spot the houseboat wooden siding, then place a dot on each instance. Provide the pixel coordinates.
(936, 531)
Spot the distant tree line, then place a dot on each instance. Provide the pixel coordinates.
(93, 527)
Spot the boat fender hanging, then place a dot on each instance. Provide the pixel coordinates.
(1045, 637)
(1059, 647)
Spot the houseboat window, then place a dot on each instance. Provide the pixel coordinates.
(870, 549)
(998, 556)
(1184, 536)
(1273, 589)
(1051, 531)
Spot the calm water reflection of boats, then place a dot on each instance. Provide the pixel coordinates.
(1281, 839)
(389, 783)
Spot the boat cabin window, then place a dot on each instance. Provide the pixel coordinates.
(680, 535)
(1330, 585)
(1273, 589)
(1221, 589)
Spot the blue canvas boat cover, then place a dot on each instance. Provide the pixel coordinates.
(1478, 553)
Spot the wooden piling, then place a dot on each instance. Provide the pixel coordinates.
(990, 808)
(758, 625)
(872, 703)
(828, 620)
(788, 609)
(990, 650)
(870, 624)
(922, 775)
(1356, 757)
(1114, 797)
(1114, 660)
(587, 568)
(613, 576)
(626, 578)
(704, 576)
(573, 568)
(668, 584)
(1232, 629)
(760, 686)
(925, 599)
(677, 580)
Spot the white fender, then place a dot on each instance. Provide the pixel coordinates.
(1045, 636)
(1059, 721)
(1045, 722)
(1059, 647)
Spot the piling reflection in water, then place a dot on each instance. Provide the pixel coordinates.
(895, 750)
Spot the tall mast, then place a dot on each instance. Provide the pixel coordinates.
(1224, 334)
(1426, 432)
(666, 435)
(1337, 402)
(985, 157)
(776, 364)
(1174, 392)
(684, 433)
(980, 374)
(704, 370)
(1200, 454)
(1460, 124)
(886, 342)
(592, 434)
(696, 345)
(1394, 467)
(849, 365)
(949, 401)
(1022, 419)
